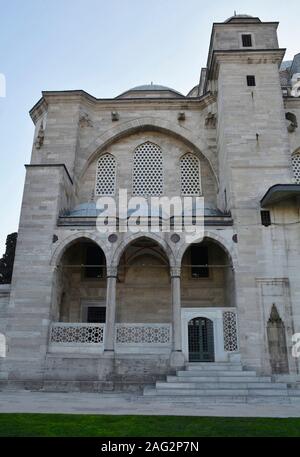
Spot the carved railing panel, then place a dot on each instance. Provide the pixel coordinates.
(76, 333)
(230, 331)
(159, 334)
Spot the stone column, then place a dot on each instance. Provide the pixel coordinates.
(109, 336)
(177, 357)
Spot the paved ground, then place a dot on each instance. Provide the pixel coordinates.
(85, 403)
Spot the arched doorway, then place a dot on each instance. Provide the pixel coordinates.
(207, 277)
(201, 340)
(208, 307)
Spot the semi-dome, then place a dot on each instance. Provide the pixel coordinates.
(151, 91)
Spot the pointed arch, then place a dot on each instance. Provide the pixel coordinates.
(133, 237)
(74, 238)
(189, 137)
(277, 342)
(226, 245)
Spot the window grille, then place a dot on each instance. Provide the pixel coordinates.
(106, 175)
(190, 175)
(147, 175)
(296, 166)
(96, 314)
(247, 41)
(230, 331)
(265, 218)
(251, 81)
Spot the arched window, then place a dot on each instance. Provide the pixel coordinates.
(106, 175)
(190, 175)
(147, 173)
(296, 166)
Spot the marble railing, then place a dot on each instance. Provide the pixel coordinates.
(230, 330)
(144, 334)
(76, 333)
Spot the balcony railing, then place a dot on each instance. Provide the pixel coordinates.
(85, 337)
(131, 337)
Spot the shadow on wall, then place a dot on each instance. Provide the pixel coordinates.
(7, 261)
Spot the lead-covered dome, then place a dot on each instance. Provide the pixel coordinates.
(243, 18)
(151, 91)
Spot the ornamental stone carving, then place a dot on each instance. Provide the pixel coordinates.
(76, 333)
(230, 331)
(40, 137)
(210, 121)
(85, 121)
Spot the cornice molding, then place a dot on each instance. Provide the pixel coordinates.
(253, 56)
(53, 165)
(82, 97)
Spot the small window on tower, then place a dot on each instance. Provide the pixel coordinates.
(265, 218)
(199, 261)
(251, 80)
(247, 41)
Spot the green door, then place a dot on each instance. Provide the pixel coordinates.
(201, 340)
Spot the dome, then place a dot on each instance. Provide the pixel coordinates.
(242, 17)
(151, 91)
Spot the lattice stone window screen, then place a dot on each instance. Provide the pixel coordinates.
(296, 166)
(147, 174)
(106, 175)
(143, 334)
(230, 331)
(77, 333)
(190, 175)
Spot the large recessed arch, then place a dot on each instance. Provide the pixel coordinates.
(189, 138)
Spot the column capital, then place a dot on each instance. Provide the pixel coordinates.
(175, 272)
(111, 272)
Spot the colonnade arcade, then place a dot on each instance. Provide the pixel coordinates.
(144, 300)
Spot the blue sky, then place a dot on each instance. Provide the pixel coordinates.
(103, 47)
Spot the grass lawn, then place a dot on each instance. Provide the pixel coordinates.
(63, 425)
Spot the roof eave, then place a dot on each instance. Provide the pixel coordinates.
(279, 193)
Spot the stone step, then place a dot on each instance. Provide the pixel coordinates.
(218, 378)
(151, 392)
(203, 399)
(212, 372)
(219, 392)
(214, 366)
(201, 392)
(220, 385)
(268, 392)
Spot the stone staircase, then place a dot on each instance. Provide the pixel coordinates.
(218, 381)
